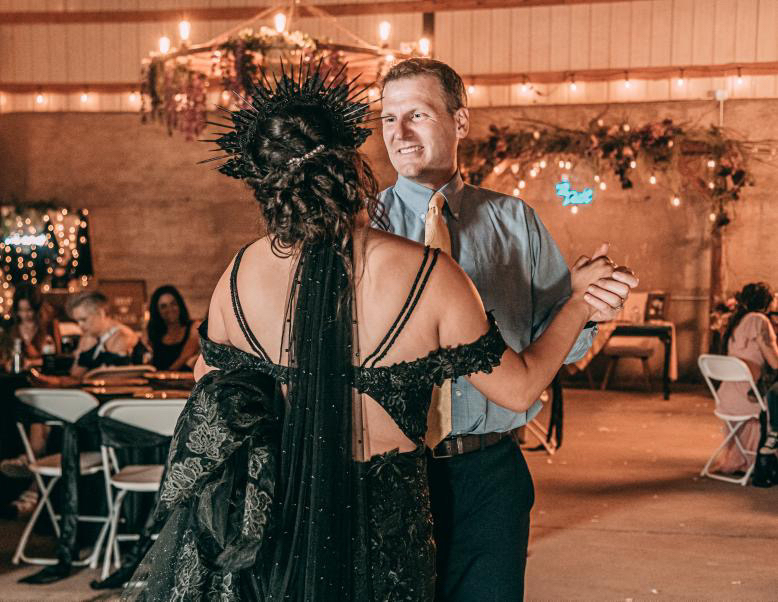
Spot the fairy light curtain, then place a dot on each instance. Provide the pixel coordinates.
(45, 245)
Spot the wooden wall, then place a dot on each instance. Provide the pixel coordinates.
(565, 38)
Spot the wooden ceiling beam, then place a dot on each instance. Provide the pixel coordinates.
(239, 13)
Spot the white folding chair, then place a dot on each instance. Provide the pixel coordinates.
(118, 372)
(725, 368)
(158, 416)
(65, 406)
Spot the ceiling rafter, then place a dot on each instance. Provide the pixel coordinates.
(229, 13)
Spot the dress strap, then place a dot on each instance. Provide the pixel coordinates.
(239, 316)
(422, 276)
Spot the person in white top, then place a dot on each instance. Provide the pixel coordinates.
(750, 336)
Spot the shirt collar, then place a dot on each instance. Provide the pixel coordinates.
(417, 197)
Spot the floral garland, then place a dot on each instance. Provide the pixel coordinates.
(174, 88)
(710, 164)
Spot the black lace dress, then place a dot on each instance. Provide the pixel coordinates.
(223, 492)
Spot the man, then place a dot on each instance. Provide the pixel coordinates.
(480, 487)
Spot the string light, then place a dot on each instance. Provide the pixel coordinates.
(389, 58)
(184, 29)
(680, 81)
(384, 31)
(739, 78)
(40, 99)
(424, 46)
(573, 86)
(633, 164)
(280, 22)
(164, 44)
(471, 89)
(652, 179)
(515, 168)
(574, 209)
(602, 186)
(515, 192)
(543, 164)
(522, 184)
(676, 201)
(711, 164)
(568, 165)
(627, 83)
(84, 97)
(712, 217)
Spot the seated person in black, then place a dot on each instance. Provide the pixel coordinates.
(104, 342)
(171, 333)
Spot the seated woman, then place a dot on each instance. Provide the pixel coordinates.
(104, 341)
(34, 326)
(172, 334)
(749, 336)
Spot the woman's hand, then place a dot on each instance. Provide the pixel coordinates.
(44, 380)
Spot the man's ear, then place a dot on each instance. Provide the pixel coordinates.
(462, 120)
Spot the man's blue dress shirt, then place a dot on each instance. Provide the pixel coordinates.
(513, 262)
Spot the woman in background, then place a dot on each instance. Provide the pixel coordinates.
(749, 336)
(34, 326)
(172, 334)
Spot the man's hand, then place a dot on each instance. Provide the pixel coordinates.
(607, 295)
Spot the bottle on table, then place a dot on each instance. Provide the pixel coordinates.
(17, 357)
(49, 355)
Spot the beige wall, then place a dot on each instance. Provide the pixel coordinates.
(157, 215)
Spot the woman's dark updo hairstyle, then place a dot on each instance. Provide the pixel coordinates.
(755, 297)
(318, 200)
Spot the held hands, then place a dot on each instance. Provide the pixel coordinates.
(603, 285)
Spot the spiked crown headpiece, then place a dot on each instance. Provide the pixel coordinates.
(342, 100)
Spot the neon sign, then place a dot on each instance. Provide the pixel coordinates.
(573, 197)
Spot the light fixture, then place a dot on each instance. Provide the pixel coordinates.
(711, 185)
(133, 97)
(596, 177)
(543, 164)
(625, 127)
(515, 168)
(568, 165)
(515, 192)
(652, 179)
(561, 164)
(525, 87)
(184, 29)
(471, 89)
(739, 78)
(711, 164)
(574, 209)
(164, 44)
(627, 83)
(573, 86)
(680, 81)
(384, 31)
(522, 183)
(40, 98)
(84, 97)
(712, 217)
(602, 186)
(389, 58)
(424, 46)
(280, 22)
(676, 201)
(633, 164)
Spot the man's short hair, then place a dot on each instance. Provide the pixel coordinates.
(450, 83)
(91, 299)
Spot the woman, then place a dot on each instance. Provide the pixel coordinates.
(103, 342)
(297, 469)
(749, 336)
(36, 329)
(172, 334)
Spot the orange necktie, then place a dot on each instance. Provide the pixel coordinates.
(436, 235)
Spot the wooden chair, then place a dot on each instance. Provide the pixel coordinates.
(627, 347)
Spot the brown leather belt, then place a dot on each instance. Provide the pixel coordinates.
(464, 444)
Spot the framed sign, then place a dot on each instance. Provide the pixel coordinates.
(126, 301)
(656, 306)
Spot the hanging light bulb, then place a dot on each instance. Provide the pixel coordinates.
(602, 186)
(627, 83)
(573, 86)
(515, 168)
(543, 164)
(84, 97)
(652, 179)
(680, 81)
(711, 164)
(280, 22)
(574, 209)
(633, 164)
(676, 201)
(40, 99)
(568, 165)
(133, 97)
(525, 87)
(389, 58)
(739, 78)
(515, 192)
(522, 184)
(471, 89)
(164, 44)
(384, 31)
(184, 29)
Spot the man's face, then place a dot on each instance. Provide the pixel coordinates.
(420, 134)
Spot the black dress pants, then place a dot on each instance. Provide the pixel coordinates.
(480, 504)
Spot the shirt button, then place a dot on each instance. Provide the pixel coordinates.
(421, 215)
(458, 393)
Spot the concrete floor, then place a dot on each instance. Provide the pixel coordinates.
(620, 512)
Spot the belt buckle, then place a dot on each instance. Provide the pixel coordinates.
(459, 448)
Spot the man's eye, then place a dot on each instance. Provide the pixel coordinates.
(388, 119)
(418, 115)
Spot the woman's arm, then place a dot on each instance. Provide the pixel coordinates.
(767, 343)
(190, 349)
(521, 377)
